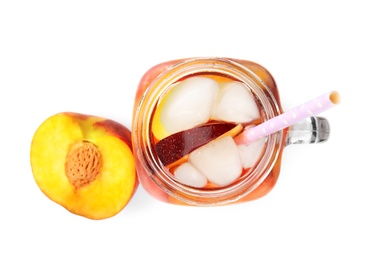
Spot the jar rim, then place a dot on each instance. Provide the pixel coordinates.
(144, 115)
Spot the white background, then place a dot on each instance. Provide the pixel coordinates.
(88, 57)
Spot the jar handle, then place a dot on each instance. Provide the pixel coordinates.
(308, 131)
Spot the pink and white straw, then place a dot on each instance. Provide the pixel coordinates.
(308, 109)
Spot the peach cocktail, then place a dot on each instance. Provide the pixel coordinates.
(188, 115)
(196, 125)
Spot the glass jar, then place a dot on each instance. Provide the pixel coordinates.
(160, 182)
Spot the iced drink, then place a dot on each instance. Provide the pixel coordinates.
(187, 119)
(195, 129)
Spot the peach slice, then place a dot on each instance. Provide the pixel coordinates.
(84, 163)
(175, 148)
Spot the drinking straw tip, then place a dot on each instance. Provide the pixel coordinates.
(335, 97)
(307, 109)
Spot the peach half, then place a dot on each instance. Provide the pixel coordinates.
(84, 163)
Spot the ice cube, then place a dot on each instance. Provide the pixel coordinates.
(189, 104)
(188, 175)
(235, 103)
(218, 160)
(250, 154)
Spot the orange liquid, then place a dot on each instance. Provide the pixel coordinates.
(144, 177)
(156, 137)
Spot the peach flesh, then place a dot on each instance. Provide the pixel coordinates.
(84, 163)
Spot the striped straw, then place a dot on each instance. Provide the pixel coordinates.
(308, 109)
